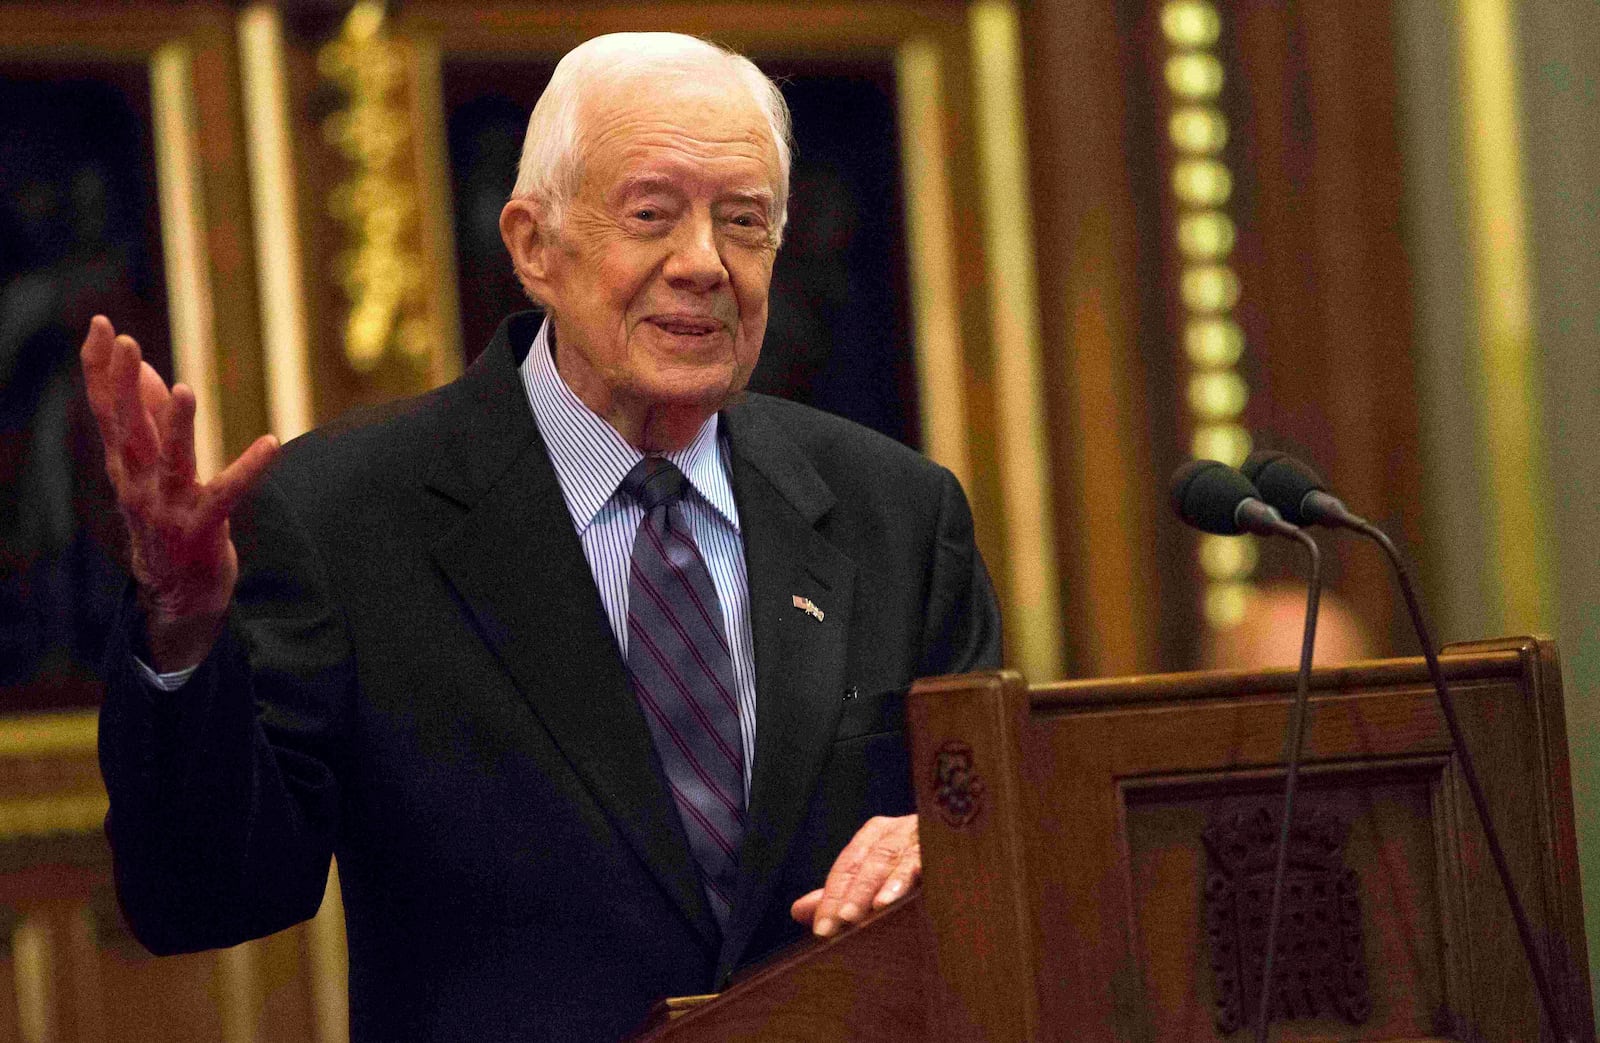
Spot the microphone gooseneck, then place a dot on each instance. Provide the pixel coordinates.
(1297, 491)
(1296, 743)
(1480, 802)
(1216, 498)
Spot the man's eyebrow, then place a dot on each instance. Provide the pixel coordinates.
(640, 184)
(636, 184)
(760, 196)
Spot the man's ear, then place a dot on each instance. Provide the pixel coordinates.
(530, 244)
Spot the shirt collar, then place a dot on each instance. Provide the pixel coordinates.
(591, 458)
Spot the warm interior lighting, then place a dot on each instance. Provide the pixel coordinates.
(1194, 77)
(1219, 395)
(1205, 236)
(1227, 442)
(1190, 23)
(1198, 128)
(1228, 557)
(1213, 341)
(1202, 182)
(1225, 604)
(1209, 288)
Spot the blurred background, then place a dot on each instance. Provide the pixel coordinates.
(1060, 246)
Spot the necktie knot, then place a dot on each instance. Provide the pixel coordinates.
(654, 481)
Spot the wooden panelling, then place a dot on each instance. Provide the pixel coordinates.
(1090, 244)
(1390, 846)
(1111, 788)
(1327, 286)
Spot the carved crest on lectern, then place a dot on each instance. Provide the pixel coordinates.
(1319, 967)
(957, 786)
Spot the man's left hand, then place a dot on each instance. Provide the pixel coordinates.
(879, 865)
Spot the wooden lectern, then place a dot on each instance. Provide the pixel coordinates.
(1097, 854)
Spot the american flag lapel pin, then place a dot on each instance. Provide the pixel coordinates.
(808, 607)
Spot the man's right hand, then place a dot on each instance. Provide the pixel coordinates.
(182, 556)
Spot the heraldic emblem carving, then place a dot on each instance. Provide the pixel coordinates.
(1319, 968)
(957, 786)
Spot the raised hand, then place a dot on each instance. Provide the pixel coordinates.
(182, 555)
(878, 866)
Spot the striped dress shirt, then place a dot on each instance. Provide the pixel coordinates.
(590, 460)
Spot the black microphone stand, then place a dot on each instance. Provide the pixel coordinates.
(1297, 490)
(1419, 622)
(1296, 743)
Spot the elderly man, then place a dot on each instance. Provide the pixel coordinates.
(577, 664)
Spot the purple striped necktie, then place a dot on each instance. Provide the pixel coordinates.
(682, 673)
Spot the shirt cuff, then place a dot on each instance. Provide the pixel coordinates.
(169, 682)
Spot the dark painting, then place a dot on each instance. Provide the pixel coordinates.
(78, 235)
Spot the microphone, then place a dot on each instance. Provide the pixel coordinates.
(1216, 498)
(1298, 492)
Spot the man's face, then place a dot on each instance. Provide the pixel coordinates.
(658, 279)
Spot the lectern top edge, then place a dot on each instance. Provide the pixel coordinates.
(1506, 659)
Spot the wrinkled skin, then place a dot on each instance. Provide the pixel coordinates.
(182, 556)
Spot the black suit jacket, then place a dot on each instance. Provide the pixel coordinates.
(417, 676)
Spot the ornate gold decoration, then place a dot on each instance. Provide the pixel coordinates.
(381, 269)
(1208, 287)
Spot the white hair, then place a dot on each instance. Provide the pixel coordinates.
(551, 168)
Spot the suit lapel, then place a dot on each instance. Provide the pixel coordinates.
(800, 660)
(519, 568)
